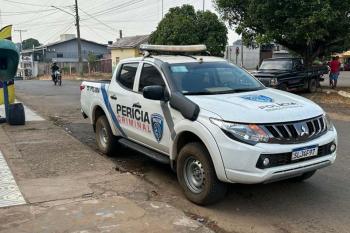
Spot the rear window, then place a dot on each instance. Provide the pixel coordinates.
(127, 75)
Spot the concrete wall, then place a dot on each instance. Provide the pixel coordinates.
(251, 57)
(119, 54)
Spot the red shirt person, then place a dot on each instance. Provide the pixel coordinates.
(335, 69)
(335, 65)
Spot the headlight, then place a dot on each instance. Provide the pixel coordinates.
(247, 133)
(329, 123)
(274, 82)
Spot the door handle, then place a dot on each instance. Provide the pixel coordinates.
(136, 105)
(113, 97)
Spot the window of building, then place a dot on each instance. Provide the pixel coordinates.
(127, 75)
(59, 55)
(150, 76)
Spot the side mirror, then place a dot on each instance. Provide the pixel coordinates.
(155, 93)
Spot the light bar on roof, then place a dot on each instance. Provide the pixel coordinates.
(173, 48)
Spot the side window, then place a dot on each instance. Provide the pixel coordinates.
(150, 76)
(127, 74)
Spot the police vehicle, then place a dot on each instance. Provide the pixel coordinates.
(210, 120)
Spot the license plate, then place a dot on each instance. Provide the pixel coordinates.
(304, 152)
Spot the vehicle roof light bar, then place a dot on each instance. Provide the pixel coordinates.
(174, 48)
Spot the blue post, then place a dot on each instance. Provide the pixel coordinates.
(6, 99)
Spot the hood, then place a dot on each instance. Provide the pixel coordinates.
(263, 106)
(269, 73)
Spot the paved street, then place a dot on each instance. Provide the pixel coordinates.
(343, 81)
(321, 204)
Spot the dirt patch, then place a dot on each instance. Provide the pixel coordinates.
(96, 76)
(337, 106)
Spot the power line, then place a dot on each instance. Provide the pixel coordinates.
(33, 19)
(26, 3)
(97, 20)
(118, 7)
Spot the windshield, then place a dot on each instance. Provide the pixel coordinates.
(211, 78)
(276, 65)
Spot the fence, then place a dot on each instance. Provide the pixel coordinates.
(71, 68)
(101, 66)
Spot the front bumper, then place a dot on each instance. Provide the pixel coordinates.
(240, 160)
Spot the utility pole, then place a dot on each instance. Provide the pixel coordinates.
(79, 40)
(0, 19)
(21, 47)
(77, 21)
(203, 5)
(20, 36)
(162, 9)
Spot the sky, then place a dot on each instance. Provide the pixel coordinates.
(101, 20)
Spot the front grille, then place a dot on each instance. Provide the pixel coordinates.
(286, 158)
(296, 132)
(265, 81)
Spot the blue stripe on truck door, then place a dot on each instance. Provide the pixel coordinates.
(110, 110)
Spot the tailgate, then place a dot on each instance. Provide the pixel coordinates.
(90, 94)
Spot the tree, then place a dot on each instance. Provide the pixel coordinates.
(29, 43)
(310, 28)
(184, 26)
(92, 59)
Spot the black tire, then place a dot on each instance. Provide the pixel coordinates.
(303, 177)
(312, 86)
(16, 114)
(106, 141)
(212, 190)
(60, 82)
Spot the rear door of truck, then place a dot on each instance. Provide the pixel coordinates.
(121, 97)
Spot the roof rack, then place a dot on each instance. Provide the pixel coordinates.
(172, 49)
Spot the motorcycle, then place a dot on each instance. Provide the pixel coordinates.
(57, 78)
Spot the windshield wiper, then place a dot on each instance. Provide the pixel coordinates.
(200, 93)
(247, 89)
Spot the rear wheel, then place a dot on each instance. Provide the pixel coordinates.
(106, 141)
(312, 87)
(197, 177)
(303, 177)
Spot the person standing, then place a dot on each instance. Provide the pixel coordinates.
(334, 74)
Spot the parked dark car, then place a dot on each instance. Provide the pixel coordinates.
(290, 74)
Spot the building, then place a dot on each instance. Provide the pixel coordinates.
(127, 47)
(64, 52)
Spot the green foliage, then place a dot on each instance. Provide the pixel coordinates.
(310, 28)
(184, 26)
(29, 43)
(92, 59)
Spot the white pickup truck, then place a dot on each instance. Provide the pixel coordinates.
(211, 121)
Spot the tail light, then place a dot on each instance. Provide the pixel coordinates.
(82, 87)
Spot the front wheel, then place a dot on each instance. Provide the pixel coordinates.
(106, 141)
(312, 87)
(60, 81)
(197, 177)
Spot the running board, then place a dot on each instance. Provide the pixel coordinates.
(144, 150)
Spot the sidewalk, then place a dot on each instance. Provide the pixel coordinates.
(67, 187)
